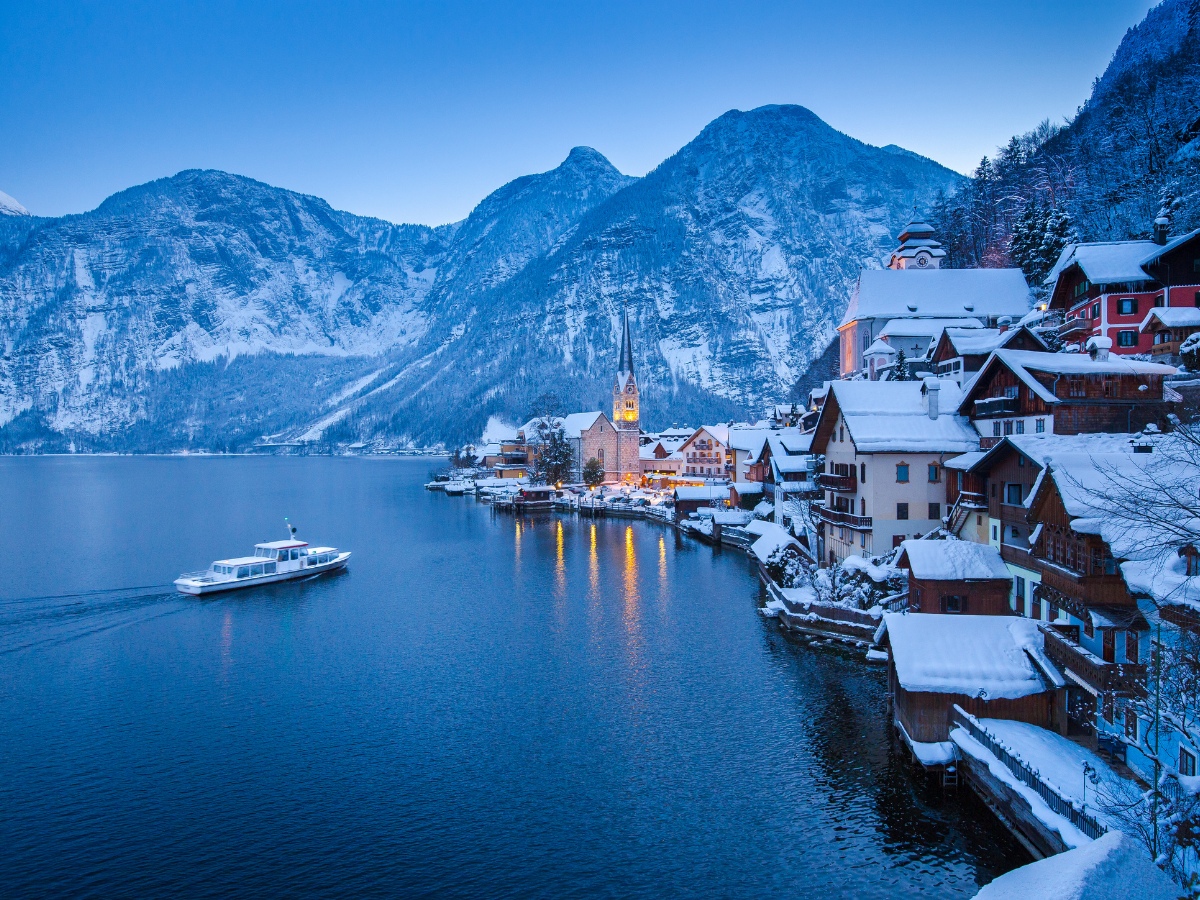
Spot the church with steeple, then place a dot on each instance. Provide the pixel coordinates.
(626, 417)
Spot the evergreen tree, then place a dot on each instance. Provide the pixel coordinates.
(593, 472)
(555, 457)
(900, 370)
(1025, 244)
(1058, 232)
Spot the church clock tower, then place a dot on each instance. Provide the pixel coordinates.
(626, 412)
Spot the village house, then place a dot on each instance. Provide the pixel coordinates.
(1105, 289)
(1024, 392)
(955, 577)
(914, 300)
(1168, 327)
(690, 498)
(660, 458)
(885, 445)
(707, 453)
(991, 666)
(1099, 637)
(961, 352)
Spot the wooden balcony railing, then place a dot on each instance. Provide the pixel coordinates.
(1088, 590)
(838, 517)
(843, 483)
(997, 406)
(1123, 678)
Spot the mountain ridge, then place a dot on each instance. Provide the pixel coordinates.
(119, 324)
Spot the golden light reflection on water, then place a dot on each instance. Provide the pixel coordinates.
(632, 597)
(560, 575)
(517, 548)
(662, 567)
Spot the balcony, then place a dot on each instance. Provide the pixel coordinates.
(997, 406)
(1124, 678)
(1088, 590)
(1075, 328)
(846, 484)
(838, 517)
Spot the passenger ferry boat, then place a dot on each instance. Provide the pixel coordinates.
(272, 561)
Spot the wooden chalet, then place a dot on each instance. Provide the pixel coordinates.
(1023, 392)
(955, 578)
(991, 666)
(961, 352)
(1105, 289)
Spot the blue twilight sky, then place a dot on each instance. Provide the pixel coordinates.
(415, 111)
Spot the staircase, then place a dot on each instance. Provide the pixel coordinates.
(968, 502)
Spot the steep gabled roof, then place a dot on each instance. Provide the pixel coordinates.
(576, 423)
(1173, 317)
(938, 294)
(1023, 363)
(893, 417)
(1106, 262)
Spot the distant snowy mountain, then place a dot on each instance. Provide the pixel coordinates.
(10, 207)
(211, 310)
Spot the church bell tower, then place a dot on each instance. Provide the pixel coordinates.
(626, 412)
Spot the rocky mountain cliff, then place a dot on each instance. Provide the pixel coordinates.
(210, 310)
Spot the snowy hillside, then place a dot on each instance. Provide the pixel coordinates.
(735, 258)
(10, 207)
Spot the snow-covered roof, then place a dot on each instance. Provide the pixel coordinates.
(772, 538)
(747, 488)
(1169, 246)
(1105, 262)
(939, 294)
(749, 440)
(926, 327)
(980, 656)
(496, 431)
(576, 423)
(719, 433)
(964, 461)
(702, 492)
(1174, 317)
(953, 560)
(978, 341)
(1023, 363)
(892, 416)
(1108, 868)
(879, 347)
(796, 442)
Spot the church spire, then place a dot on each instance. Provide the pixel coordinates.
(626, 367)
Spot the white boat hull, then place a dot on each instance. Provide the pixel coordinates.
(197, 587)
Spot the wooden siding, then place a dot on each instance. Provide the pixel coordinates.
(979, 598)
(926, 716)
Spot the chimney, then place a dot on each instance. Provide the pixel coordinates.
(1162, 226)
(1098, 347)
(932, 391)
(1004, 323)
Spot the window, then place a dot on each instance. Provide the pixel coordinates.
(243, 572)
(600, 455)
(1076, 388)
(934, 474)
(935, 510)
(841, 435)
(295, 554)
(256, 570)
(863, 540)
(1014, 532)
(995, 429)
(953, 603)
(1131, 724)
(1039, 426)
(901, 510)
(862, 506)
(1008, 426)
(1020, 426)
(1131, 647)
(1012, 493)
(269, 568)
(995, 533)
(1127, 338)
(1095, 310)
(1019, 590)
(902, 473)
(1187, 762)
(1082, 288)
(1127, 306)
(862, 476)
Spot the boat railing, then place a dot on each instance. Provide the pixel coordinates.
(203, 575)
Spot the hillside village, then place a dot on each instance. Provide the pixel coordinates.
(998, 496)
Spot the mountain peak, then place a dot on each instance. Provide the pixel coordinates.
(10, 207)
(588, 158)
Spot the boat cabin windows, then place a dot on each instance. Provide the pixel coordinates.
(243, 572)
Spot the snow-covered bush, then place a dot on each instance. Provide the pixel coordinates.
(1189, 352)
(786, 567)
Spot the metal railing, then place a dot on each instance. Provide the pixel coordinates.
(1068, 809)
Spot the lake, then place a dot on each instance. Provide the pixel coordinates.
(480, 706)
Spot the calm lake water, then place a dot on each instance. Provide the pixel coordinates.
(481, 706)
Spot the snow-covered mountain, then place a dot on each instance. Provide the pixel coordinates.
(208, 309)
(10, 207)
